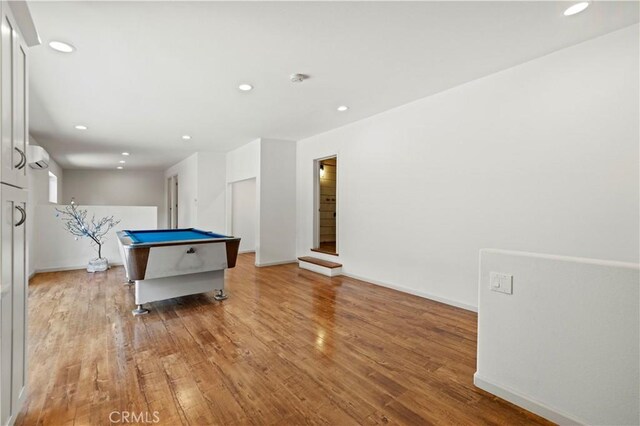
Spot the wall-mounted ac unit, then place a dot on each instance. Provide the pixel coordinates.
(38, 157)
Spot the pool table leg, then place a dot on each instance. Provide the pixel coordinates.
(139, 311)
(220, 295)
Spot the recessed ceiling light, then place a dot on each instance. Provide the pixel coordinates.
(121, 161)
(186, 137)
(119, 167)
(125, 153)
(61, 46)
(81, 127)
(245, 87)
(343, 108)
(576, 8)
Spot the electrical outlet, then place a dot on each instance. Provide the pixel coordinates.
(500, 282)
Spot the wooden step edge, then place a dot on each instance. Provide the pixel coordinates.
(320, 250)
(320, 262)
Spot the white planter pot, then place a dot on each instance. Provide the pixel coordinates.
(98, 265)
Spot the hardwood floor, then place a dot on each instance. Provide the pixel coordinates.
(287, 347)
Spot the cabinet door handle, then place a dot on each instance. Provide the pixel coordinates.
(24, 216)
(23, 159)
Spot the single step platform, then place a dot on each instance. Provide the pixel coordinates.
(324, 267)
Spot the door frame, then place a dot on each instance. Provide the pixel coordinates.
(256, 213)
(316, 202)
(172, 202)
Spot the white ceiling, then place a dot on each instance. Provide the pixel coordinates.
(145, 73)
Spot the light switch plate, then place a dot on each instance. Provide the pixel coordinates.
(501, 282)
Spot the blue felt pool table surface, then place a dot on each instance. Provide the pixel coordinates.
(167, 235)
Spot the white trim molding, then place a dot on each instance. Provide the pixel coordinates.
(525, 402)
(418, 293)
(284, 262)
(70, 268)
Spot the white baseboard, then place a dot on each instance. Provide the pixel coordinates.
(246, 251)
(284, 262)
(415, 292)
(525, 402)
(69, 268)
(329, 272)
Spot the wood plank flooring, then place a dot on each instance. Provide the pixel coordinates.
(287, 347)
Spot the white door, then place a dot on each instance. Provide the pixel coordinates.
(20, 293)
(6, 323)
(13, 87)
(13, 306)
(20, 124)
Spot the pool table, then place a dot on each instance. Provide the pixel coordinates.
(167, 263)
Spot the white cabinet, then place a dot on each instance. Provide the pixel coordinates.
(13, 106)
(13, 217)
(13, 304)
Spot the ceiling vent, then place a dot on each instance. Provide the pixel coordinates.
(38, 157)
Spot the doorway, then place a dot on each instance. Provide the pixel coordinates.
(244, 214)
(172, 201)
(326, 223)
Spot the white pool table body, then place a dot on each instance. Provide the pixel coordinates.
(162, 272)
(163, 288)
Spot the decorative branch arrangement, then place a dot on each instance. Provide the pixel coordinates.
(76, 223)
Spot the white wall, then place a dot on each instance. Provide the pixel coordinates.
(566, 343)
(201, 191)
(187, 171)
(38, 186)
(38, 183)
(57, 250)
(541, 157)
(272, 163)
(244, 213)
(116, 188)
(277, 202)
(211, 191)
(244, 162)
